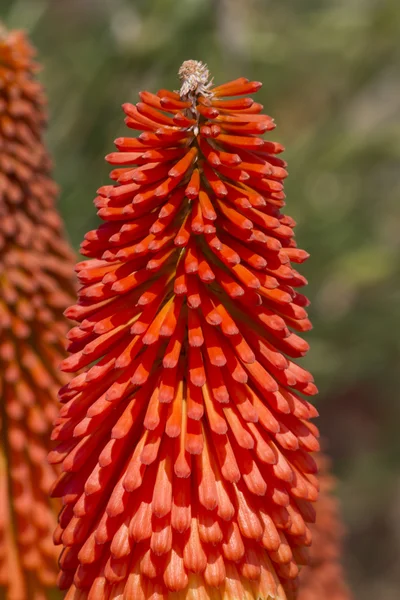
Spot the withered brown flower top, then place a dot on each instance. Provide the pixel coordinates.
(35, 287)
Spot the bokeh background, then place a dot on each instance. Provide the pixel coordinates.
(331, 73)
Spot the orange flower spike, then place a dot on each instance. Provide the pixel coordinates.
(185, 448)
(36, 284)
(323, 578)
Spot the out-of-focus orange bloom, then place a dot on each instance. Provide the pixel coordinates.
(323, 578)
(35, 286)
(185, 441)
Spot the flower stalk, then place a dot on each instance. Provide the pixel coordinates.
(35, 287)
(185, 435)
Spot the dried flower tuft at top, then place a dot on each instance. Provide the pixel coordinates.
(185, 439)
(35, 286)
(194, 76)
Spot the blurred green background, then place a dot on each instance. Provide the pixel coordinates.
(331, 73)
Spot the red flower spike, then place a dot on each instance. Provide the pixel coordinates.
(185, 449)
(35, 286)
(323, 578)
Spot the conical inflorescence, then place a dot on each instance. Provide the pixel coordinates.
(185, 437)
(324, 578)
(35, 287)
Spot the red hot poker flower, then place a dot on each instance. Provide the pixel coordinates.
(35, 287)
(323, 578)
(185, 438)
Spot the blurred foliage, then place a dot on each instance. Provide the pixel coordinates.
(331, 73)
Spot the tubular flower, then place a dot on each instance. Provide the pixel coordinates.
(35, 287)
(323, 578)
(185, 438)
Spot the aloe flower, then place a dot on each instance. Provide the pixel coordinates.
(35, 287)
(185, 437)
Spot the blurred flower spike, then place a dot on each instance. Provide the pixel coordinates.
(323, 578)
(35, 287)
(185, 437)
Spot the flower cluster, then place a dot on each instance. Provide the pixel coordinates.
(323, 578)
(185, 437)
(35, 287)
